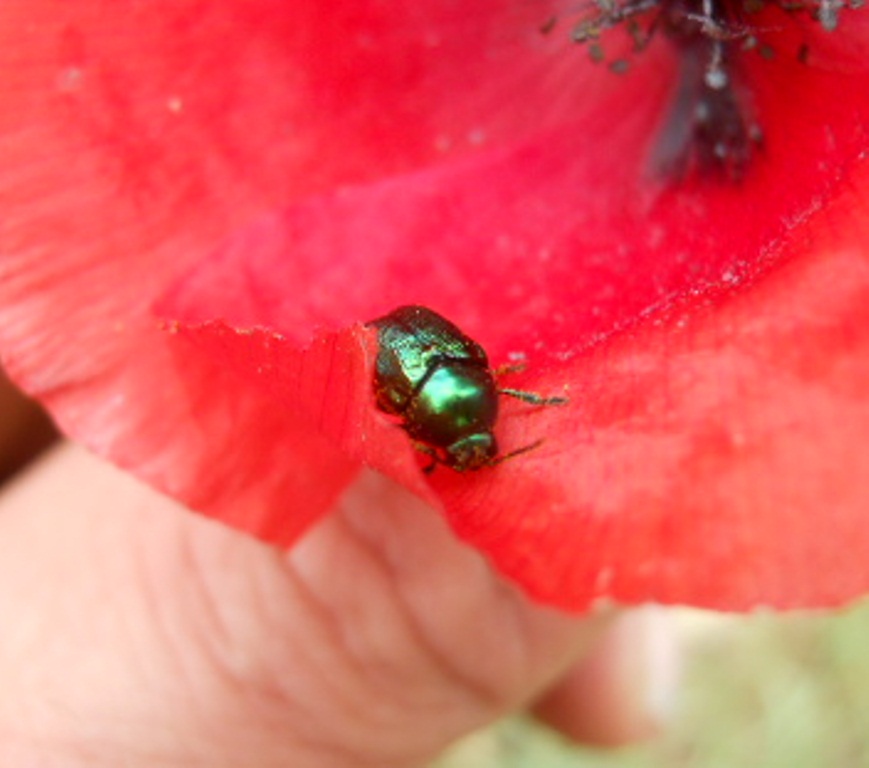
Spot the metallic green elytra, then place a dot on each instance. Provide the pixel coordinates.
(438, 382)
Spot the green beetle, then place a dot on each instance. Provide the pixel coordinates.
(438, 381)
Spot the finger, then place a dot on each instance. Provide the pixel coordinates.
(624, 689)
(138, 634)
(25, 430)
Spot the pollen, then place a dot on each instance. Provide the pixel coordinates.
(711, 127)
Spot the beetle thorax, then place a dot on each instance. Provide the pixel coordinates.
(455, 401)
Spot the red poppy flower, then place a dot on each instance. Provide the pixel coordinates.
(203, 202)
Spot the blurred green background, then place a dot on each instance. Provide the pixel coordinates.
(772, 691)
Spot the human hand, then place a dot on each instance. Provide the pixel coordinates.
(136, 633)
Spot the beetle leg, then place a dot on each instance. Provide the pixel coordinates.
(513, 454)
(534, 398)
(431, 453)
(525, 397)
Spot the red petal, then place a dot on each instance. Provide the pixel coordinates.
(682, 470)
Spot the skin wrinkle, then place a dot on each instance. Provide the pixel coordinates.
(202, 629)
(212, 632)
(383, 518)
(480, 696)
(140, 573)
(278, 697)
(335, 754)
(524, 641)
(393, 688)
(519, 632)
(204, 633)
(145, 580)
(498, 695)
(325, 675)
(271, 690)
(255, 680)
(412, 573)
(393, 691)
